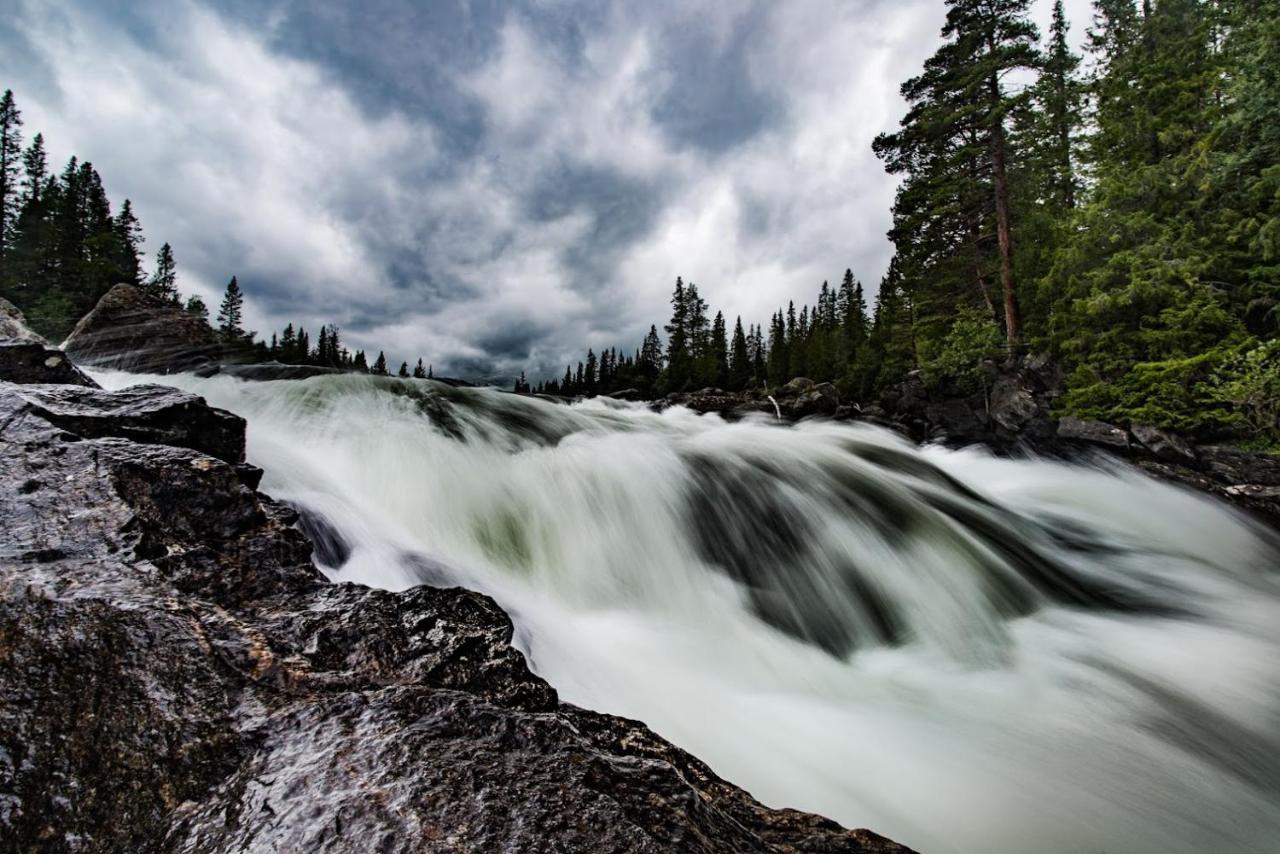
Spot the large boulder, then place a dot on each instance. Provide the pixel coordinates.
(1164, 445)
(25, 357)
(13, 325)
(33, 362)
(266, 371)
(153, 414)
(1013, 402)
(132, 331)
(176, 675)
(1091, 432)
(816, 399)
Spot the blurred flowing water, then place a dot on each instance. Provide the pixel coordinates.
(961, 652)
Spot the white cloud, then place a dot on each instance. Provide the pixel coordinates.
(254, 162)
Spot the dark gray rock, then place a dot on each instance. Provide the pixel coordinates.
(148, 413)
(176, 675)
(132, 331)
(1013, 402)
(797, 386)
(1241, 467)
(958, 419)
(1072, 429)
(815, 402)
(1163, 444)
(13, 325)
(704, 401)
(627, 394)
(32, 362)
(267, 371)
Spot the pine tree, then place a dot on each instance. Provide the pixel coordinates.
(129, 240)
(163, 284)
(589, 376)
(719, 352)
(196, 308)
(739, 359)
(10, 165)
(1058, 95)
(288, 345)
(650, 357)
(231, 310)
(955, 150)
(360, 363)
(379, 365)
(419, 372)
(404, 370)
(679, 357)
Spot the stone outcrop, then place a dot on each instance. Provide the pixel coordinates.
(1089, 432)
(176, 675)
(25, 357)
(13, 325)
(132, 331)
(266, 371)
(33, 362)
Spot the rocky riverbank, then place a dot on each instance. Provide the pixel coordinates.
(176, 675)
(1015, 415)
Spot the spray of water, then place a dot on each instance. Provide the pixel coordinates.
(962, 652)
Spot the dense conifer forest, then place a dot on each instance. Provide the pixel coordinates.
(1119, 212)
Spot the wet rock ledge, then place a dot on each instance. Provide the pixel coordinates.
(176, 676)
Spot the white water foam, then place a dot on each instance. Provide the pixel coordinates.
(960, 652)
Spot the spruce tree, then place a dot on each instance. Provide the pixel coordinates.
(196, 308)
(739, 359)
(1059, 96)
(590, 377)
(11, 161)
(360, 363)
(288, 344)
(379, 365)
(128, 232)
(163, 284)
(678, 349)
(10, 170)
(719, 352)
(419, 372)
(229, 313)
(404, 370)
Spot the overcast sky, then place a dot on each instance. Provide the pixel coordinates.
(491, 185)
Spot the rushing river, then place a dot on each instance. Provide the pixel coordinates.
(964, 653)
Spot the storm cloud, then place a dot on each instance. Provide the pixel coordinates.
(490, 186)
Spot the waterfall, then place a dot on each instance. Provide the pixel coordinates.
(962, 652)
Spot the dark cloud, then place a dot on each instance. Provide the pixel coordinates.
(490, 185)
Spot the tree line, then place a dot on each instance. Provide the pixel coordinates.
(1121, 215)
(62, 248)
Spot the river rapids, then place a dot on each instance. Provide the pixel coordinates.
(963, 653)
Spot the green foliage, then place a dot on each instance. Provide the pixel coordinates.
(1172, 393)
(1250, 385)
(974, 338)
